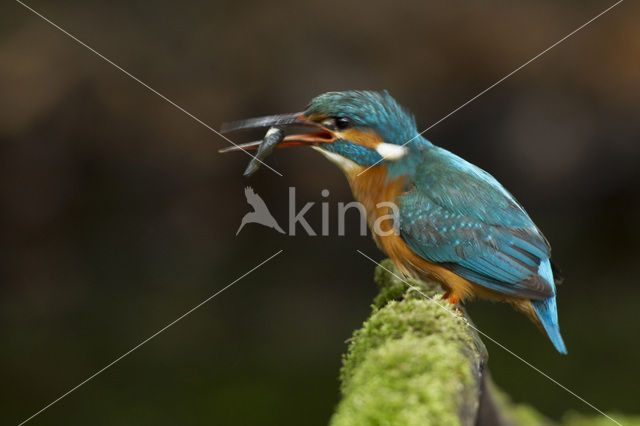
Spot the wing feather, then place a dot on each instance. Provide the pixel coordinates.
(459, 216)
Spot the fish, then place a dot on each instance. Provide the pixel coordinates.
(273, 137)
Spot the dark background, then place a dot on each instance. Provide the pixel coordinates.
(118, 214)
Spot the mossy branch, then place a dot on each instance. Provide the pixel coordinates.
(415, 358)
(416, 361)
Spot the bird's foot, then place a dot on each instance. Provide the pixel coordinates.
(453, 299)
(459, 309)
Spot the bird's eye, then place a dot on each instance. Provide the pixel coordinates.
(329, 123)
(336, 123)
(342, 123)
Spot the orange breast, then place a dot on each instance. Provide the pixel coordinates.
(372, 188)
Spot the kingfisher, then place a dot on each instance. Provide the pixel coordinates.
(456, 223)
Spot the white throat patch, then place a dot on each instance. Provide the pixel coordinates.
(343, 162)
(391, 152)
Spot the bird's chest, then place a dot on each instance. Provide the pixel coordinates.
(379, 196)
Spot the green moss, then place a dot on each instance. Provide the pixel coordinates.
(416, 317)
(410, 360)
(405, 382)
(391, 287)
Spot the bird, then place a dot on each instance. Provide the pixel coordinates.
(260, 213)
(455, 223)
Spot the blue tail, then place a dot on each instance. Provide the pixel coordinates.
(547, 311)
(548, 315)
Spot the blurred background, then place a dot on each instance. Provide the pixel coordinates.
(118, 214)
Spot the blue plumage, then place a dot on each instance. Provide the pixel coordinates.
(547, 310)
(456, 220)
(452, 213)
(458, 215)
(358, 153)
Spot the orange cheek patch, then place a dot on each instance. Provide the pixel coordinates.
(367, 139)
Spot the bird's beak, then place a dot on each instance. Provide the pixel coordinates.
(316, 133)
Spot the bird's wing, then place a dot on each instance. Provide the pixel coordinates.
(460, 217)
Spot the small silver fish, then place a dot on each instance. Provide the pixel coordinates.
(273, 137)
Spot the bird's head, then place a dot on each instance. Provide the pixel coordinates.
(352, 128)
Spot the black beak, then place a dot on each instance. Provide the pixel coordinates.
(297, 119)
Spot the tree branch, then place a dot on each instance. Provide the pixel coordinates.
(416, 361)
